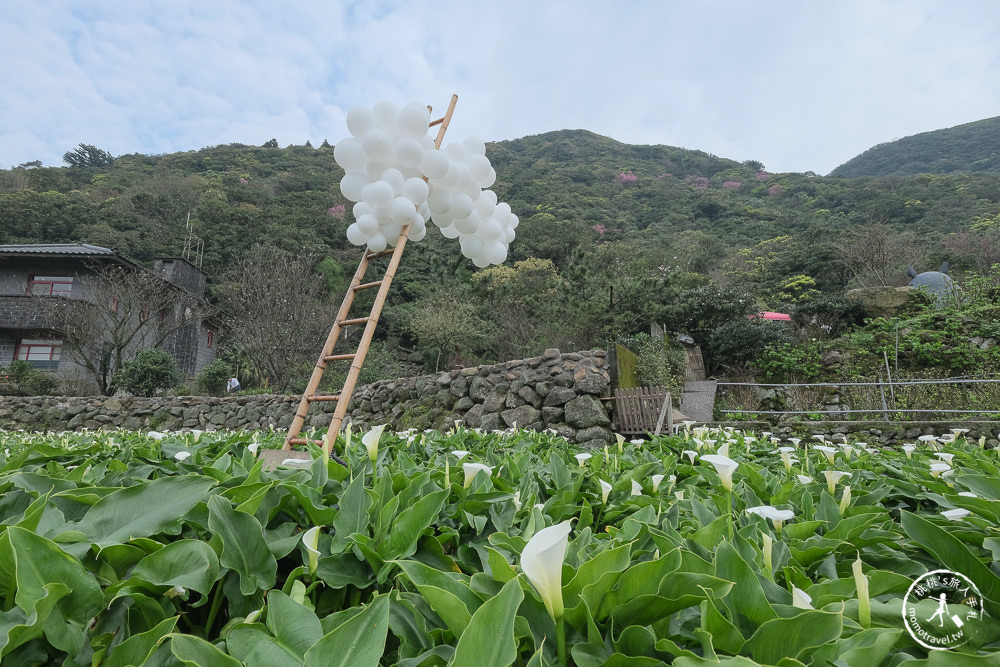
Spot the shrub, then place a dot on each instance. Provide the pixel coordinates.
(22, 379)
(150, 371)
(213, 378)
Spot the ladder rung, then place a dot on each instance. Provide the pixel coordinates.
(324, 397)
(367, 285)
(373, 255)
(357, 320)
(304, 441)
(340, 357)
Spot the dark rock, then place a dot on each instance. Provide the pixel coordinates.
(584, 412)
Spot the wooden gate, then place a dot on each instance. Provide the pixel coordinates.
(643, 410)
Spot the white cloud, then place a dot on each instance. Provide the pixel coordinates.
(798, 86)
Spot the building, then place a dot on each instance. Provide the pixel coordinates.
(78, 311)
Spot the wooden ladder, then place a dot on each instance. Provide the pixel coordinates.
(357, 358)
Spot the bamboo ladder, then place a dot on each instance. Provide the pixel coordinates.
(273, 457)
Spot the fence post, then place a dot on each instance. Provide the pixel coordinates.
(885, 406)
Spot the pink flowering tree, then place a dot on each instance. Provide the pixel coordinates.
(626, 177)
(763, 175)
(337, 211)
(774, 190)
(732, 185)
(698, 182)
(600, 229)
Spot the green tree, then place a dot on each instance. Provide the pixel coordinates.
(149, 372)
(87, 155)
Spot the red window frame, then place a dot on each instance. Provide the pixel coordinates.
(211, 336)
(38, 352)
(50, 285)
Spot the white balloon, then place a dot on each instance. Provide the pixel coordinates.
(474, 146)
(479, 167)
(409, 152)
(352, 185)
(427, 142)
(391, 230)
(455, 151)
(468, 224)
(413, 120)
(480, 261)
(381, 212)
(486, 203)
(462, 175)
(377, 242)
(386, 113)
(450, 232)
(461, 205)
(509, 234)
(472, 245)
(502, 212)
(378, 144)
(376, 168)
(360, 209)
(360, 120)
(490, 230)
(355, 235)
(434, 164)
(440, 200)
(368, 224)
(513, 221)
(442, 219)
(495, 252)
(424, 211)
(416, 190)
(393, 177)
(350, 154)
(378, 193)
(400, 209)
(417, 234)
(490, 180)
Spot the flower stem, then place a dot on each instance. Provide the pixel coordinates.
(729, 509)
(561, 639)
(213, 611)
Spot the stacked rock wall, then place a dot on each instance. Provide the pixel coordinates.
(553, 391)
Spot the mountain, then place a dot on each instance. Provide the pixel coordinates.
(969, 147)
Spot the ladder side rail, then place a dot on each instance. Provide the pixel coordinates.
(331, 340)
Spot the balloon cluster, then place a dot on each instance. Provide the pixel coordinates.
(397, 177)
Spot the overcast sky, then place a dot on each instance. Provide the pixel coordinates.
(799, 85)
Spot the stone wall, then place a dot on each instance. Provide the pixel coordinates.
(554, 391)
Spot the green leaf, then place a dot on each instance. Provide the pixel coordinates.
(38, 562)
(794, 637)
(188, 563)
(410, 525)
(448, 594)
(136, 649)
(353, 515)
(18, 627)
(489, 638)
(191, 650)
(725, 635)
(358, 642)
(747, 597)
(292, 624)
(244, 549)
(255, 647)
(139, 511)
(951, 553)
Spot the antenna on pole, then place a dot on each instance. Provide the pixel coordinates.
(194, 246)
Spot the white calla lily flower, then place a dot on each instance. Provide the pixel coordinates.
(636, 488)
(945, 456)
(937, 469)
(370, 441)
(724, 466)
(804, 479)
(472, 469)
(801, 599)
(908, 450)
(310, 539)
(542, 562)
(656, 482)
(832, 477)
(691, 454)
(182, 455)
(956, 514)
(830, 452)
(460, 453)
(582, 458)
(605, 491)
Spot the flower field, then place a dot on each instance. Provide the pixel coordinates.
(468, 548)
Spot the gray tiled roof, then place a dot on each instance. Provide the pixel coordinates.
(84, 249)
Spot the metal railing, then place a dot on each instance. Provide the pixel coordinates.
(887, 393)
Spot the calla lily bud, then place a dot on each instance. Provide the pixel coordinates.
(864, 601)
(766, 551)
(310, 539)
(845, 500)
(370, 440)
(542, 562)
(605, 490)
(621, 441)
(636, 488)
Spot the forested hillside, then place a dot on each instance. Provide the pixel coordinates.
(969, 147)
(612, 236)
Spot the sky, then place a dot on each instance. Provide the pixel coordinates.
(797, 85)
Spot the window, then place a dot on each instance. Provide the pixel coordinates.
(211, 336)
(41, 353)
(50, 285)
